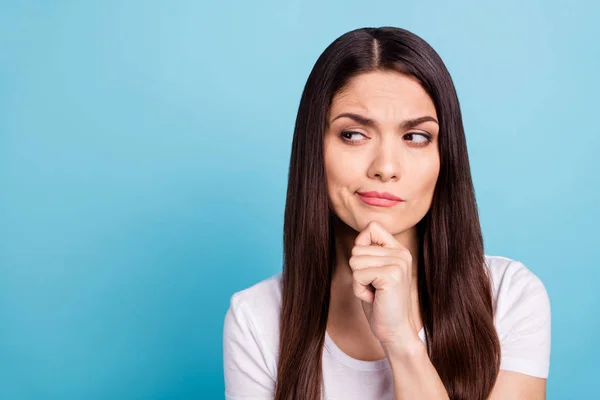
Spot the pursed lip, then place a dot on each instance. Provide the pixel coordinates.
(384, 195)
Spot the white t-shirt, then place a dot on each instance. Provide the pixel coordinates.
(251, 339)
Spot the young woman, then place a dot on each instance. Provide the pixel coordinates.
(385, 291)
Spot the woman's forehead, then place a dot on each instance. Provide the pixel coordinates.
(383, 95)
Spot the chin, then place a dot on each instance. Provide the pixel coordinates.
(390, 222)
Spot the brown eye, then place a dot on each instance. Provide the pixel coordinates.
(347, 135)
(422, 138)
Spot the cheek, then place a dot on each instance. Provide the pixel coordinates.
(340, 168)
(339, 181)
(431, 175)
(342, 175)
(425, 177)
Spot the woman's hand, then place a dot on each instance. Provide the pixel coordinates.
(378, 259)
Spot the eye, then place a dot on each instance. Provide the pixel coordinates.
(345, 135)
(423, 141)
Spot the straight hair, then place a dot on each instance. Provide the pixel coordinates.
(455, 296)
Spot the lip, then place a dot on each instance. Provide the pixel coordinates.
(384, 195)
(380, 199)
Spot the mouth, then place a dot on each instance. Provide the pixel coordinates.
(379, 199)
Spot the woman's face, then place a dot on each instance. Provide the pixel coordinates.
(391, 145)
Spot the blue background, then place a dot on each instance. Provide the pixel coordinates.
(144, 149)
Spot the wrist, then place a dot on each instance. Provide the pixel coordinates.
(407, 348)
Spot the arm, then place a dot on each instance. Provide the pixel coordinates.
(245, 368)
(515, 385)
(524, 330)
(414, 375)
(524, 325)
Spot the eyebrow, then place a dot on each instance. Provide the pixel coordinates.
(407, 124)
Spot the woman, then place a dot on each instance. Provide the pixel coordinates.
(385, 291)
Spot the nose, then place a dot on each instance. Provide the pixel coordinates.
(386, 163)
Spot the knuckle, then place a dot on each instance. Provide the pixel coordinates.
(396, 273)
(405, 253)
(398, 253)
(352, 260)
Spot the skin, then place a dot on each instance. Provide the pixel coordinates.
(374, 311)
(385, 157)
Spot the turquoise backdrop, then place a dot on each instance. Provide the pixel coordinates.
(144, 149)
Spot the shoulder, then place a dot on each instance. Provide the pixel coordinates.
(261, 296)
(521, 315)
(257, 308)
(512, 282)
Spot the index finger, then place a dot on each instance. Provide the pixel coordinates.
(374, 233)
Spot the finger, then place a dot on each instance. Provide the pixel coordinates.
(375, 250)
(381, 278)
(368, 261)
(363, 292)
(377, 234)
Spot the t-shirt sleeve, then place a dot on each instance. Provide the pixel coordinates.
(245, 367)
(524, 324)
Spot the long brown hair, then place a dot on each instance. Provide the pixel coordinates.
(455, 298)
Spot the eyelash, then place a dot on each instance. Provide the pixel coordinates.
(426, 136)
